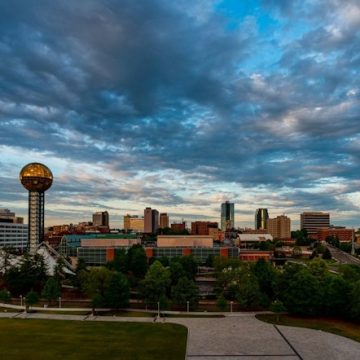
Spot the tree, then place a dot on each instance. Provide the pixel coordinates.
(185, 290)
(333, 240)
(296, 253)
(176, 271)
(137, 261)
(190, 265)
(221, 263)
(248, 292)
(326, 254)
(221, 302)
(59, 269)
(209, 262)
(155, 284)
(51, 290)
(31, 299)
(266, 276)
(94, 283)
(350, 272)
(29, 274)
(5, 295)
(318, 268)
(164, 260)
(355, 303)
(303, 295)
(117, 294)
(105, 288)
(336, 296)
(120, 263)
(301, 237)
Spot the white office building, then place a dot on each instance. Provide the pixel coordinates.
(13, 235)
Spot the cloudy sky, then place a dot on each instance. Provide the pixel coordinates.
(180, 105)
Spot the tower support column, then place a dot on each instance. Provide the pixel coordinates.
(36, 220)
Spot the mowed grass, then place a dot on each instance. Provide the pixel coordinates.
(75, 340)
(331, 325)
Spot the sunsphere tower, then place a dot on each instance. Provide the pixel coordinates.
(36, 178)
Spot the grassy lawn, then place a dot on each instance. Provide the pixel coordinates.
(75, 340)
(332, 325)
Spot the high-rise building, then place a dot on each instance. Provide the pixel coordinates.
(37, 178)
(155, 221)
(261, 217)
(134, 223)
(127, 218)
(148, 220)
(227, 216)
(314, 221)
(203, 227)
(151, 220)
(164, 220)
(279, 227)
(101, 218)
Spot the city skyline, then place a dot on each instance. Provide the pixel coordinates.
(182, 107)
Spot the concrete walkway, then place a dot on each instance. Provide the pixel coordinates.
(240, 337)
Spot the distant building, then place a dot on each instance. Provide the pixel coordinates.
(164, 221)
(227, 216)
(203, 227)
(312, 222)
(252, 231)
(6, 216)
(184, 241)
(254, 255)
(151, 221)
(251, 240)
(178, 227)
(101, 218)
(341, 233)
(261, 218)
(216, 234)
(134, 223)
(279, 227)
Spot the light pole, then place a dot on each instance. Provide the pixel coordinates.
(21, 300)
(158, 309)
(187, 306)
(231, 306)
(59, 301)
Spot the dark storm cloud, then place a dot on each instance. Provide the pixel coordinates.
(155, 85)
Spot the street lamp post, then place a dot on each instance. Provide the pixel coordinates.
(158, 309)
(21, 300)
(231, 306)
(187, 306)
(59, 301)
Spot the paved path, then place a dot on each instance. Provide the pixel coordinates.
(244, 337)
(241, 337)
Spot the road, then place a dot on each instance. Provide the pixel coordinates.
(342, 256)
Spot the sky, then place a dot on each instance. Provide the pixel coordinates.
(181, 105)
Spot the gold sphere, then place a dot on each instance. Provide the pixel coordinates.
(36, 177)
